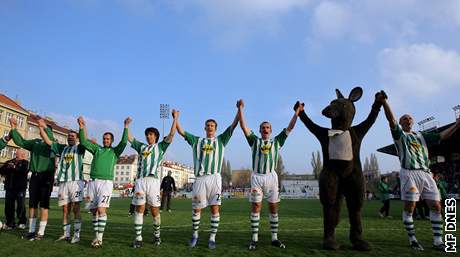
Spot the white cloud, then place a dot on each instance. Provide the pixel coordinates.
(331, 19)
(420, 70)
(370, 21)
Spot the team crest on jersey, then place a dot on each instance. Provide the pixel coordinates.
(208, 148)
(265, 149)
(68, 157)
(415, 144)
(145, 154)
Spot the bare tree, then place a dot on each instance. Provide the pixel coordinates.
(226, 173)
(316, 163)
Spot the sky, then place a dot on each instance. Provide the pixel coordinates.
(107, 60)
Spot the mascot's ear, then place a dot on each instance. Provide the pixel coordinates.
(355, 94)
(339, 95)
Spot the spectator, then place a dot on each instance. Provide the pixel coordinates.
(168, 186)
(15, 172)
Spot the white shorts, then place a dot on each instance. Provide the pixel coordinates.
(207, 190)
(99, 193)
(264, 186)
(147, 190)
(416, 184)
(70, 192)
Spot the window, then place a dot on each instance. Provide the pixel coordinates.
(122, 167)
(1, 116)
(122, 173)
(8, 116)
(13, 153)
(20, 121)
(6, 132)
(4, 153)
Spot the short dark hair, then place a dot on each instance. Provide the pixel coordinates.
(154, 131)
(264, 122)
(110, 134)
(73, 131)
(211, 120)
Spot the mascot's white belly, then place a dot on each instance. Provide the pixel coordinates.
(340, 146)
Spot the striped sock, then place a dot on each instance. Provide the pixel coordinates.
(95, 225)
(66, 228)
(102, 221)
(77, 227)
(436, 226)
(196, 223)
(32, 225)
(409, 224)
(214, 226)
(138, 222)
(255, 218)
(156, 226)
(274, 225)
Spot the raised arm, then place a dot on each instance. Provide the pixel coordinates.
(124, 138)
(451, 130)
(315, 129)
(363, 127)
(91, 147)
(293, 120)
(17, 138)
(4, 141)
(244, 127)
(172, 131)
(388, 113)
(180, 130)
(42, 127)
(235, 120)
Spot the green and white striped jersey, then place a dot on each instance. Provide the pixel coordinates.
(208, 153)
(412, 147)
(265, 153)
(150, 157)
(70, 166)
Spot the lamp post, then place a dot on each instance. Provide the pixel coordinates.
(164, 114)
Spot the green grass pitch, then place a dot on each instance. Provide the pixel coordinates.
(300, 230)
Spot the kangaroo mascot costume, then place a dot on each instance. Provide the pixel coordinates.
(342, 174)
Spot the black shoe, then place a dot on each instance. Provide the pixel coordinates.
(137, 244)
(29, 236)
(38, 238)
(253, 245)
(277, 243)
(440, 247)
(416, 246)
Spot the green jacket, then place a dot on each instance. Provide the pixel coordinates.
(41, 157)
(2, 144)
(104, 158)
(384, 190)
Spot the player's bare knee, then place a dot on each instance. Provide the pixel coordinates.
(215, 209)
(273, 207)
(140, 208)
(155, 211)
(409, 206)
(256, 207)
(434, 205)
